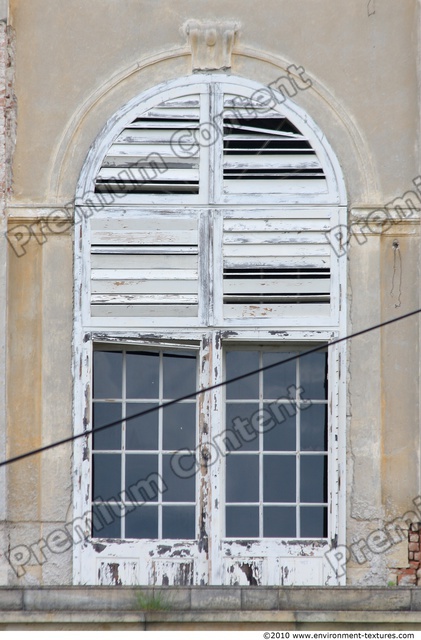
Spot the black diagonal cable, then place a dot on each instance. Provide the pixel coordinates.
(211, 388)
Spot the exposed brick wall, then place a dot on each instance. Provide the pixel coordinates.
(411, 575)
(7, 110)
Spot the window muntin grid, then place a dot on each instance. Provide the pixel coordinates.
(127, 381)
(276, 481)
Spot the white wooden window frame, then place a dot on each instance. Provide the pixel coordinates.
(211, 326)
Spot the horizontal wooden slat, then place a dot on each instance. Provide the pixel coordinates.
(149, 151)
(149, 223)
(130, 237)
(271, 237)
(276, 310)
(274, 186)
(142, 274)
(144, 250)
(278, 224)
(279, 213)
(115, 261)
(273, 286)
(137, 175)
(153, 157)
(143, 311)
(156, 136)
(143, 287)
(294, 262)
(99, 298)
(275, 161)
(279, 251)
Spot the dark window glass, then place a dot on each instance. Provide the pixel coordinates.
(242, 478)
(241, 436)
(142, 477)
(279, 479)
(279, 522)
(313, 421)
(142, 375)
(277, 380)
(313, 478)
(178, 522)
(237, 363)
(178, 489)
(105, 413)
(108, 374)
(313, 522)
(179, 426)
(313, 371)
(142, 432)
(105, 523)
(242, 522)
(106, 476)
(282, 436)
(179, 375)
(142, 522)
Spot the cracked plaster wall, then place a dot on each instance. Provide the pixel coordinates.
(76, 64)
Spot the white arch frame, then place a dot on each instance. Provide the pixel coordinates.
(85, 196)
(168, 90)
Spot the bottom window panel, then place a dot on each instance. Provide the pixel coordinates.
(273, 434)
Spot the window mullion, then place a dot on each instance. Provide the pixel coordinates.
(160, 441)
(216, 142)
(123, 445)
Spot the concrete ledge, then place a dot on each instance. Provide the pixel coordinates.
(210, 608)
(206, 620)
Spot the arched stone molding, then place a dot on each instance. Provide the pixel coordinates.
(327, 112)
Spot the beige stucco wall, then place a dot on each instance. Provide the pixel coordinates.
(77, 62)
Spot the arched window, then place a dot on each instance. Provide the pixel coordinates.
(205, 251)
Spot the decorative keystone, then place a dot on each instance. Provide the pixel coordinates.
(211, 44)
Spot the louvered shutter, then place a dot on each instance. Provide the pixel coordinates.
(156, 154)
(196, 231)
(144, 266)
(264, 153)
(276, 263)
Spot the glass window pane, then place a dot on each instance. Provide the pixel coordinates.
(142, 374)
(104, 413)
(179, 422)
(279, 522)
(237, 363)
(141, 486)
(313, 478)
(177, 488)
(179, 374)
(142, 522)
(313, 427)
(240, 435)
(142, 433)
(108, 374)
(101, 527)
(106, 476)
(313, 380)
(279, 479)
(242, 478)
(313, 522)
(277, 380)
(178, 523)
(242, 522)
(282, 436)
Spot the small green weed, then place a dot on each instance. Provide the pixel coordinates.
(151, 603)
